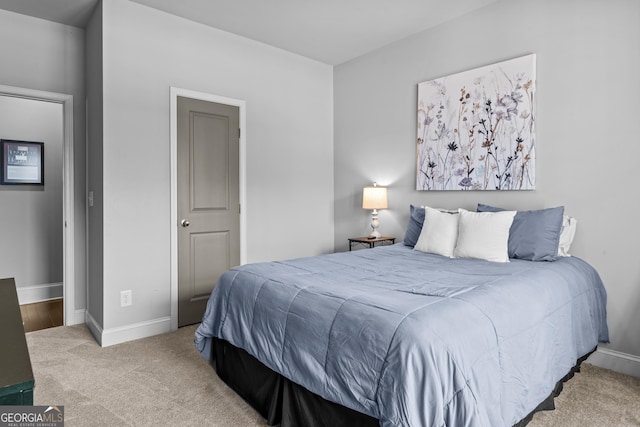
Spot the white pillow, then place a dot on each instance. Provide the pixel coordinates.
(484, 235)
(439, 232)
(567, 234)
(450, 211)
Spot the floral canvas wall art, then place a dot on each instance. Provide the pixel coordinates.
(476, 129)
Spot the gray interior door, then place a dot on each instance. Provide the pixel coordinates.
(208, 201)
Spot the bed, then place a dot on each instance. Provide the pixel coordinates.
(393, 336)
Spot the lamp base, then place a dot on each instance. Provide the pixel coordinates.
(374, 225)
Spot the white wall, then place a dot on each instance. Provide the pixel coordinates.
(31, 215)
(93, 73)
(588, 63)
(46, 56)
(289, 148)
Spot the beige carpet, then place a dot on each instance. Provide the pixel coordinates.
(156, 381)
(162, 381)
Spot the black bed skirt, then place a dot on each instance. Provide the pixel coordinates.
(284, 403)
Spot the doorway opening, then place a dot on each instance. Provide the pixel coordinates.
(66, 217)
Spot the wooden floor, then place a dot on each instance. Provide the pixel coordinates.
(42, 315)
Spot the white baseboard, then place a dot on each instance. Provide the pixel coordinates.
(39, 293)
(94, 327)
(624, 363)
(112, 336)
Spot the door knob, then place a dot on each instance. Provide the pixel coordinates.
(184, 223)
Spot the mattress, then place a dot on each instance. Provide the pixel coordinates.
(411, 338)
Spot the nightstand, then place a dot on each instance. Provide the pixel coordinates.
(365, 241)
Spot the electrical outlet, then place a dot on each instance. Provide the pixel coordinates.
(126, 298)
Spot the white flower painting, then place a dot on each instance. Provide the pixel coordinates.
(476, 129)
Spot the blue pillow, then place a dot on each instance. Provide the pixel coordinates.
(534, 235)
(416, 219)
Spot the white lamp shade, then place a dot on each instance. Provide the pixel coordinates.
(374, 197)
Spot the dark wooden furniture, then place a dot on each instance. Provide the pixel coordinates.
(16, 375)
(371, 242)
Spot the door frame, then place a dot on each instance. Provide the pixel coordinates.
(68, 188)
(203, 96)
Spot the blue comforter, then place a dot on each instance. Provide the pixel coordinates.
(411, 338)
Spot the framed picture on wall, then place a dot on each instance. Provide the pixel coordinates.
(476, 129)
(22, 162)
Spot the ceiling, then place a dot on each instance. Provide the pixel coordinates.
(330, 31)
(70, 12)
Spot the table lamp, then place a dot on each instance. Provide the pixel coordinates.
(374, 197)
